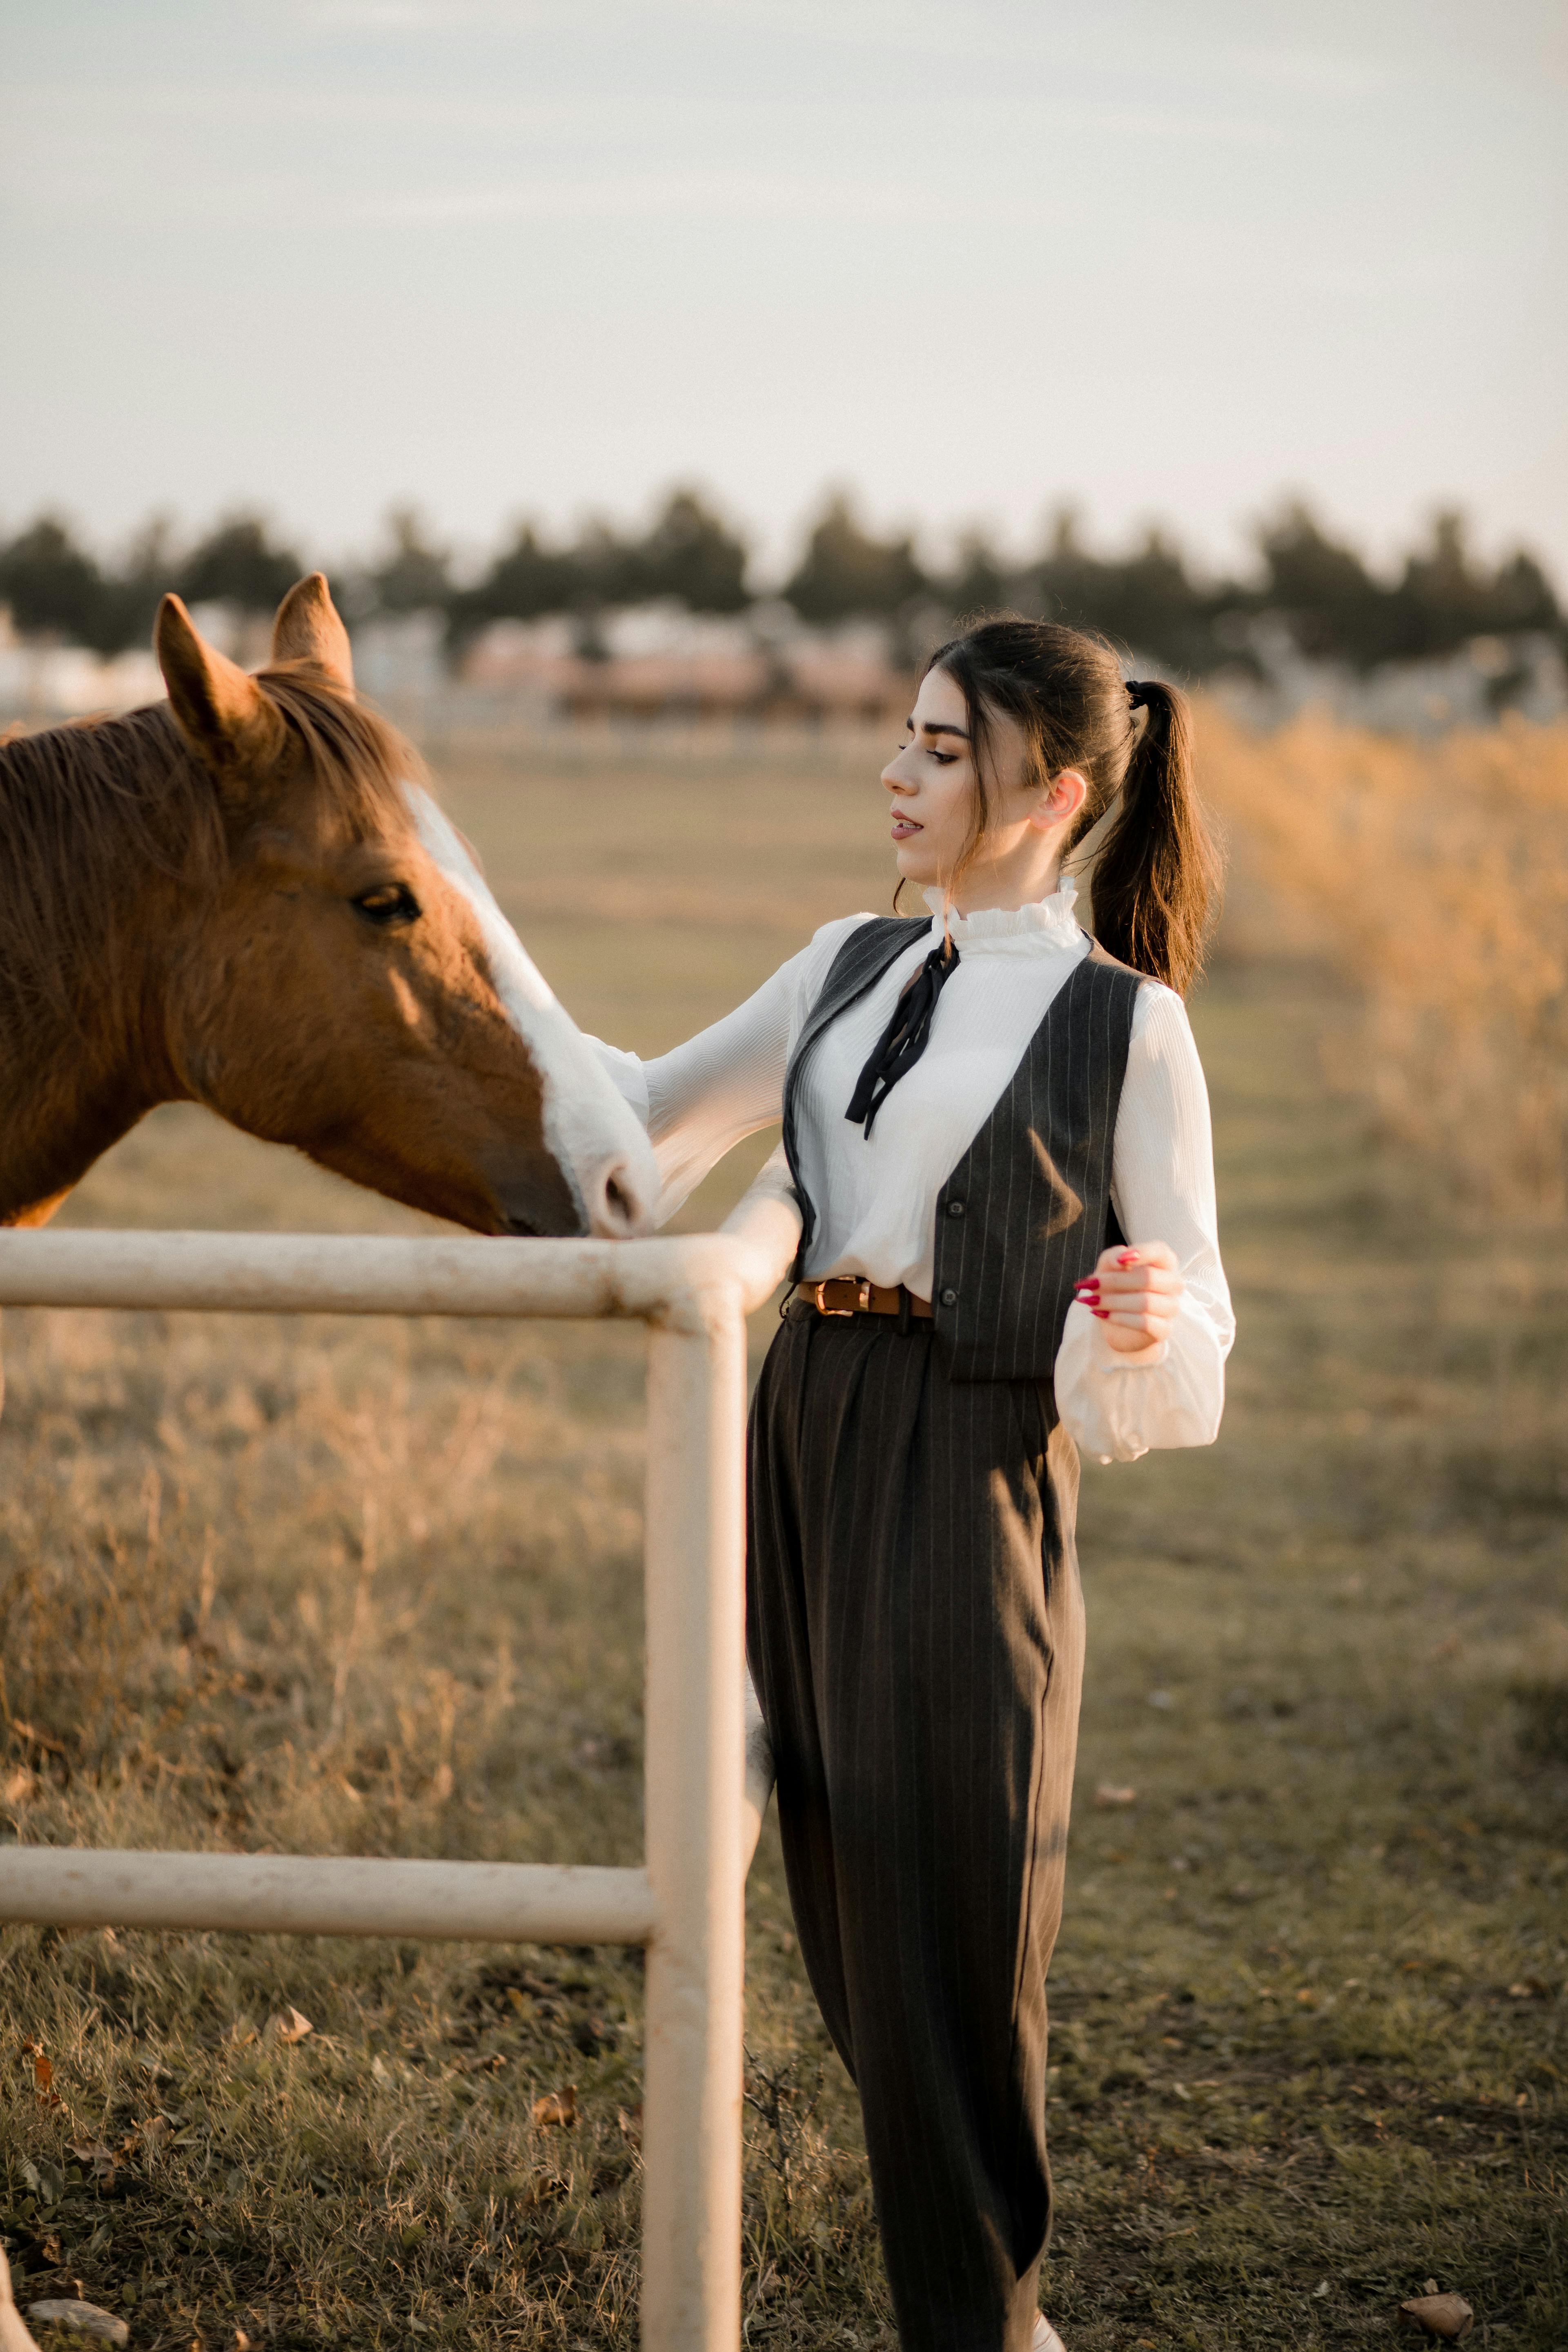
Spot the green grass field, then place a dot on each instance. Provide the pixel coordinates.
(351, 1587)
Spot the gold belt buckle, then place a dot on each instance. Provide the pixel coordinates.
(862, 1297)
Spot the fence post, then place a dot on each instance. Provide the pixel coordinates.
(691, 2115)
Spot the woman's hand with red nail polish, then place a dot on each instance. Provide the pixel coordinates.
(1135, 1293)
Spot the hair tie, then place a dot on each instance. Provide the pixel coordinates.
(1139, 691)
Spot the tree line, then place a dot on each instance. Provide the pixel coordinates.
(1152, 600)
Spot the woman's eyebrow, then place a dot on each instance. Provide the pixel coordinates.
(935, 726)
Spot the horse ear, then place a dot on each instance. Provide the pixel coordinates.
(218, 708)
(308, 629)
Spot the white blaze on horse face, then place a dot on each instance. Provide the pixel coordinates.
(594, 1136)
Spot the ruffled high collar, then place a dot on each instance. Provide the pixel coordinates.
(1047, 925)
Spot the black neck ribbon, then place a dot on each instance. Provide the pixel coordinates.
(904, 1039)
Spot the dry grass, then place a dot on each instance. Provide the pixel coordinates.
(360, 1587)
(1437, 876)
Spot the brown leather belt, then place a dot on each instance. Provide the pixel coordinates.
(851, 1294)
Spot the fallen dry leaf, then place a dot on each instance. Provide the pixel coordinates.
(85, 2318)
(1108, 1796)
(556, 2109)
(291, 2026)
(1449, 2316)
(548, 2190)
(43, 2076)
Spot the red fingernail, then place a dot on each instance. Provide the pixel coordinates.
(1088, 1289)
(1128, 1257)
(1102, 1313)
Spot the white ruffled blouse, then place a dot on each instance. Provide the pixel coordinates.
(876, 1197)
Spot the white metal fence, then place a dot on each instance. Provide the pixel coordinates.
(684, 1904)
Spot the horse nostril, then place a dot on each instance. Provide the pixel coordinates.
(616, 1212)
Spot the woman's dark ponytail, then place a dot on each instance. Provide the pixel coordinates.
(1157, 871)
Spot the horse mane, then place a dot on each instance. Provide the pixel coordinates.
(87, 810)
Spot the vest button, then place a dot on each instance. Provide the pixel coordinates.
(950, 1297)
(955, 1208)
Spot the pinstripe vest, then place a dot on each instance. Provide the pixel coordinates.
(1027, 1209)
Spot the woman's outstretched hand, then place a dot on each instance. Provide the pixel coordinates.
(1135, 1294)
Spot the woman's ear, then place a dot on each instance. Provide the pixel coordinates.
(1061, 801)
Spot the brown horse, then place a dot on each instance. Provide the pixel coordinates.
(247, 898)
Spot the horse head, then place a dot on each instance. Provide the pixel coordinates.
(345, 982)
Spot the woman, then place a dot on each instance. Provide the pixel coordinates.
(977, 1111)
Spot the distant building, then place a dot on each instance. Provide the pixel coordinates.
(41, 683)
(658, 662)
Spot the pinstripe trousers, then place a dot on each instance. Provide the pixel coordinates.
(915, 1632)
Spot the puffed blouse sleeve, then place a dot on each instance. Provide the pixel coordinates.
(1163, 1188)
(699, 1100)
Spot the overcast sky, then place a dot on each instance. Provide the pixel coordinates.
(1162, 257)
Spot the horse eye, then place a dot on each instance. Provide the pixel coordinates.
(393, 903)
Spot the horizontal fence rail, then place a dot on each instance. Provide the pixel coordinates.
(685, 1904)
(663, 1281)
(309, 1894)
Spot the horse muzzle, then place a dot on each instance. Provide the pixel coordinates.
(612, 1199)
